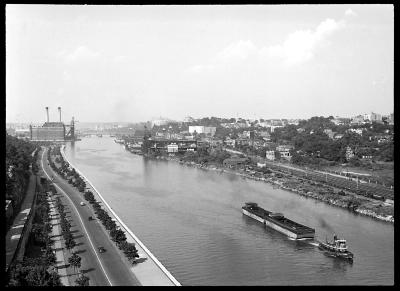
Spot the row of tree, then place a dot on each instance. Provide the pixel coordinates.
(18, 161)
(38, 271)
(65, 172)
(74, 260)
(117, 235)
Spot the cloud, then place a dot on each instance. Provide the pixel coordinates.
(201, 68)
(237, 51)
(299, 47)
(233, 53)
(350, 12)
(80, 53)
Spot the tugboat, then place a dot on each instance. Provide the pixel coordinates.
(336, 249)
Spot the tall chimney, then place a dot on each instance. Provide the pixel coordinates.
(59, 110)
(47, 111)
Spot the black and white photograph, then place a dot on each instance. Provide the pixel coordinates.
(199, 144)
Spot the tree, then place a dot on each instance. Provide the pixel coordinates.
(70, 243)
(75, 261)
(117, 235)
(50, 257)
(82, 281)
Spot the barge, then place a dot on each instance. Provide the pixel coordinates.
(278, 222)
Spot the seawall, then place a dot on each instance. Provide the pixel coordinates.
(127, 230)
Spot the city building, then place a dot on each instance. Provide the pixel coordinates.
(273, 127)
(207, 130)
(359, 119)
(159, 122)
(373, 117)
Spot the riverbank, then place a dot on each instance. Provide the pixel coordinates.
(149, 271)
(318, 191)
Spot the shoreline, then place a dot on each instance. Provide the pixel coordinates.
(275, 182)
(130, 235)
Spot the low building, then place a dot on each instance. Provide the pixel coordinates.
(270, 155)
(261, 165)
(172, 148)
(284, 151)
(349, 153)
(273, 127)
(359, 131)
(338, 136)
(230, 142)
(329, 133)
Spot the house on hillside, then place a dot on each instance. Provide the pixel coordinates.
(349, 153)
(270, 155)
(284, 151)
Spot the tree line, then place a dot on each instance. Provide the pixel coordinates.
(18, 161)
(116, 234)
(40, 270)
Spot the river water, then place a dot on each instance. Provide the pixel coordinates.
(191, 220)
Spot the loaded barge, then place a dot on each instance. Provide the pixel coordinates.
(278, 222)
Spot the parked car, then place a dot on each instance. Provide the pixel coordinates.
(82, 203)
(102, 250)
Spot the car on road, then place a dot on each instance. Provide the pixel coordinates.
(101, 250)
(82, 203)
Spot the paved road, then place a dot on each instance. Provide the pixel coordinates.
(103, 269)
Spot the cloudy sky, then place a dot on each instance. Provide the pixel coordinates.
(136, 63)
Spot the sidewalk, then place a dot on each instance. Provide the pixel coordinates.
(56, 235)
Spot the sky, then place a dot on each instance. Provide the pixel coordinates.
(136, 63)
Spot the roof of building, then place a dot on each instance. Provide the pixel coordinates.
(53, 124)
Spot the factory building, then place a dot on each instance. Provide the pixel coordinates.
(51, 131)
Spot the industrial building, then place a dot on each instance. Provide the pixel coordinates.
(52, 131)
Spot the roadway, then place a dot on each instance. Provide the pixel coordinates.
(103, 269)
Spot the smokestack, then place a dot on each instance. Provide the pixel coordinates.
(59, 110)
(47, 112)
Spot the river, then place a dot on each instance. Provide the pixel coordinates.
(191, 220)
